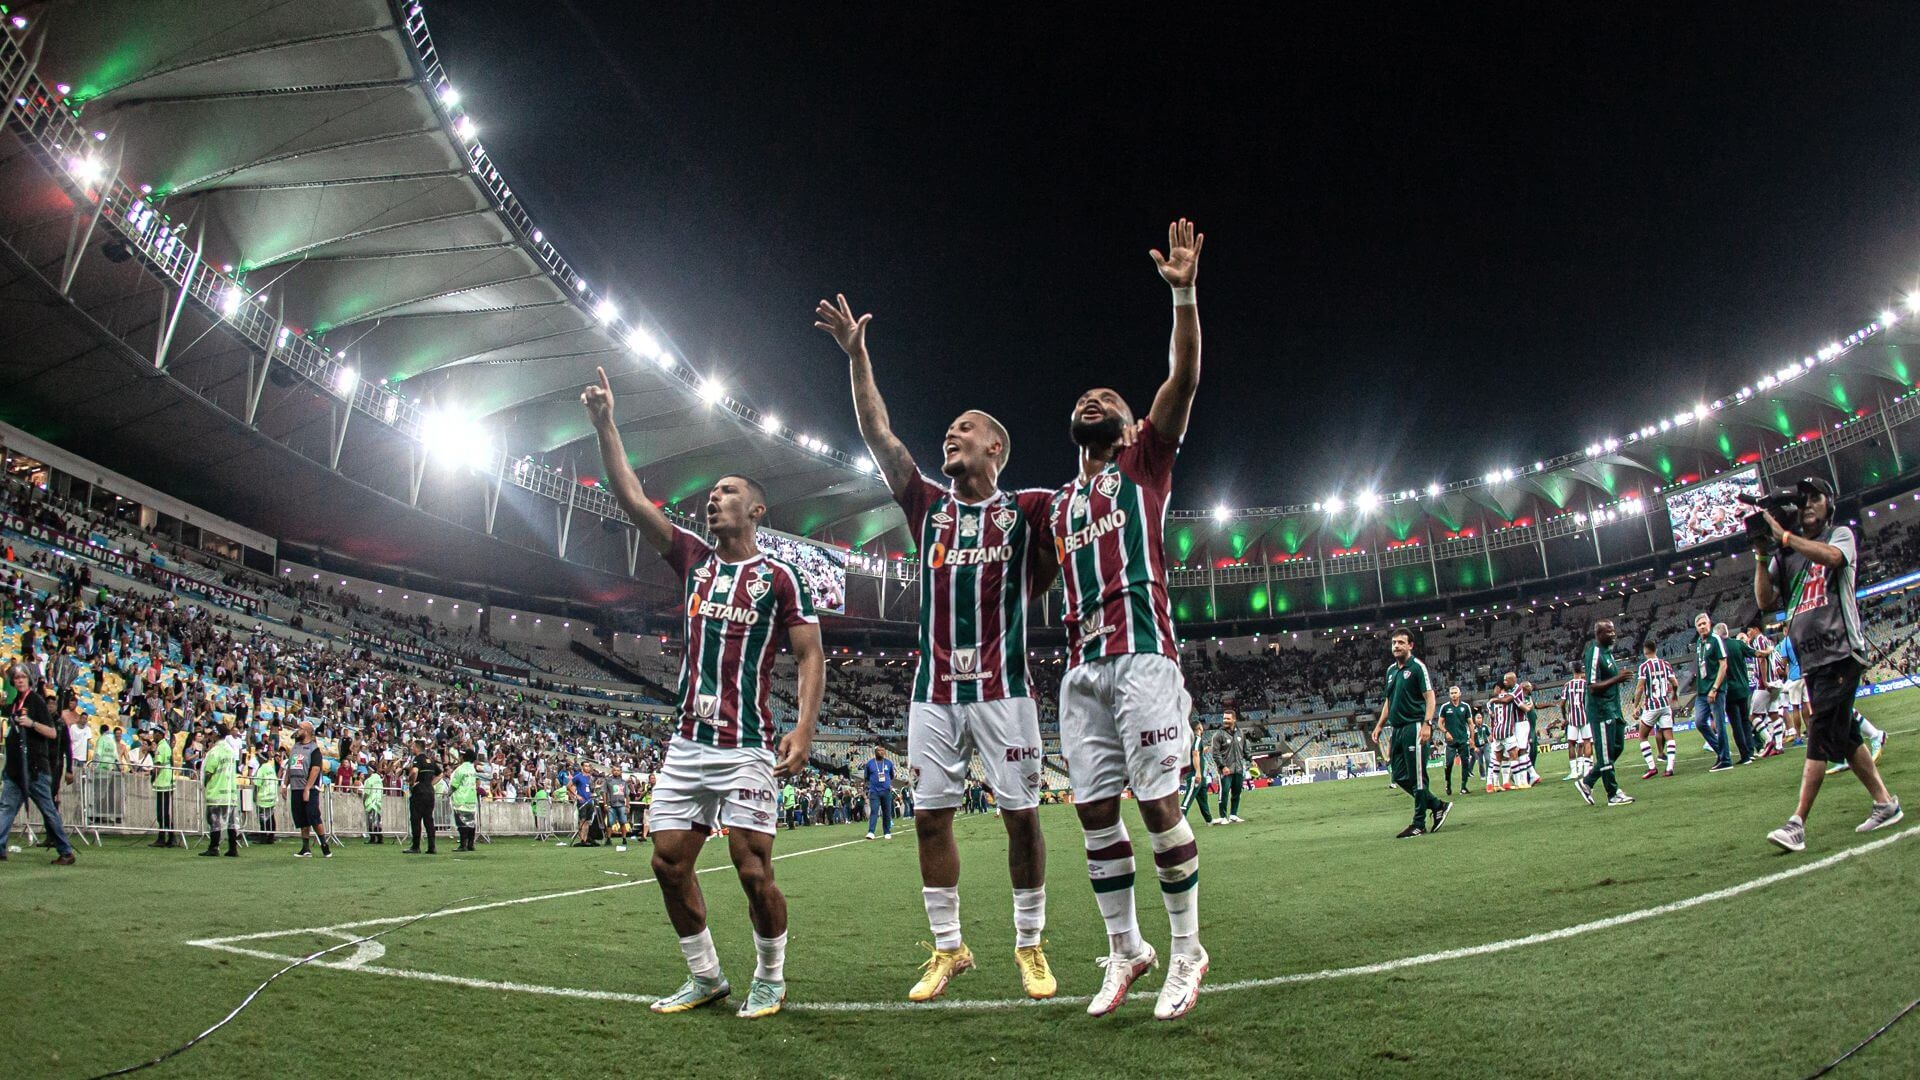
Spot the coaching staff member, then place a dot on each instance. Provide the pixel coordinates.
(1811, 574)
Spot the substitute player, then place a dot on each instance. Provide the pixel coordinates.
(1653, 696)
(721, 764)
(1123, 704)
(983, 556)
(1573, 710)
(1603, 712)
(1456, 720)
(1408, 705)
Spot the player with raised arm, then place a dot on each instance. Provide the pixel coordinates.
(983, 556)
(1123, 703)
(720, 768)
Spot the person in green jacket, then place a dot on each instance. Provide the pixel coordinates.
(220, 783)
(266, 793)
(373, 798)
(541, 796)
(464, 795)
(163, 788)
(789, 799)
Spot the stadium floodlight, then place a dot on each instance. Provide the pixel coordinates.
(1765, 382)
(1367, 501)
(466, 129)
(642, 343)
(1335, 504)
(1913, 301)
(1433, 490)
(1889, 317)
(863, 464)
(539, 237)
(231, 299)
(711, 391)
(19, 22)
(770, 424)
(1700, 412)
(1222, 512)
(605, 311)
(87, 169)
(449, 96)
(456, 439)
(345, 380)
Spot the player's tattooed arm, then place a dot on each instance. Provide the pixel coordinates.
(869, 408)
(796, 746)
(1179, 267)
(646, 517)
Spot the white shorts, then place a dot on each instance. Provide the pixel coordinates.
(1123, 723)
(941, 740)
(1794, 693)
(1762, 703)
(1579, 732)
(1661, 718)
(704, 787)
(1521, 737)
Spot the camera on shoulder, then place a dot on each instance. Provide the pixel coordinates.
(1781, 504)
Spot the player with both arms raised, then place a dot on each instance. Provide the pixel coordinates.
(1123, 704)
(983, 554)
(721, 766)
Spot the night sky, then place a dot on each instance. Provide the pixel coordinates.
(1437, 242)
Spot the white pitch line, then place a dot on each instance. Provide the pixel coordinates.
(470, 908)
(1245, 984)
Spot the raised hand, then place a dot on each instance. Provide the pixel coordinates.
(599, 402)
(838, 320)
(1181, 264)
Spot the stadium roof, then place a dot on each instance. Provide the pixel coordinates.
(325, 157)
(320, 159)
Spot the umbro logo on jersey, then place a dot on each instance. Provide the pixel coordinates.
(943, 518)
(1108, 484)
(1003, 519)
(703, 573)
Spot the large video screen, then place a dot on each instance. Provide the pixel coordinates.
(1710, 511)
(824, 567)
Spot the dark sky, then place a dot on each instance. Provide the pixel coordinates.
(1438, 242)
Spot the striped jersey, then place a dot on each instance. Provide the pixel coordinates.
(1656, 681)
(1573, 699)
(1500, 715)
(1109, 538)
(737, 614)
(977, 572)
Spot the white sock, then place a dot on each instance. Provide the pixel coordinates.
(1029, 916)
(943, 916)
(1110, 868)
(1646, 751)
(771, 953)
(1673, 754)
(1867, 730)
(701, 959)
(1176, 861)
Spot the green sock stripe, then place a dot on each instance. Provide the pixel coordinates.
(1182, 885)
(1112, 884)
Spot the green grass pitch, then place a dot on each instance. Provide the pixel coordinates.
(1771, 980)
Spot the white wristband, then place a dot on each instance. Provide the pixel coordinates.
(1184, 297)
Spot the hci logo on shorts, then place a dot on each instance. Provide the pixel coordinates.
(747, 794)
(1166, 734)
(1023, 753)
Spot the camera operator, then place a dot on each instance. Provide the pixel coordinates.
(1811, 571)
(33, 760)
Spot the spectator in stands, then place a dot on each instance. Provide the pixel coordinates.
(33, 763)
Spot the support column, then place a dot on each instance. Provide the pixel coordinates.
(179, 304)
(342, 415)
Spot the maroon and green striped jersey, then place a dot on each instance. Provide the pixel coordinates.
(737, 614)
(977, 572)
(1109, 536)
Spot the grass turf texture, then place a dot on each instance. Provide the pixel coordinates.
(1772, 982)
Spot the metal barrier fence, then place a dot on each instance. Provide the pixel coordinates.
(94, 802)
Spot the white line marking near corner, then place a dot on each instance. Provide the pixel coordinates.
(470, 908)
(1020, 1003)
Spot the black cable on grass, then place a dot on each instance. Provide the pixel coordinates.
(249, 999)
(1882, 1030)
